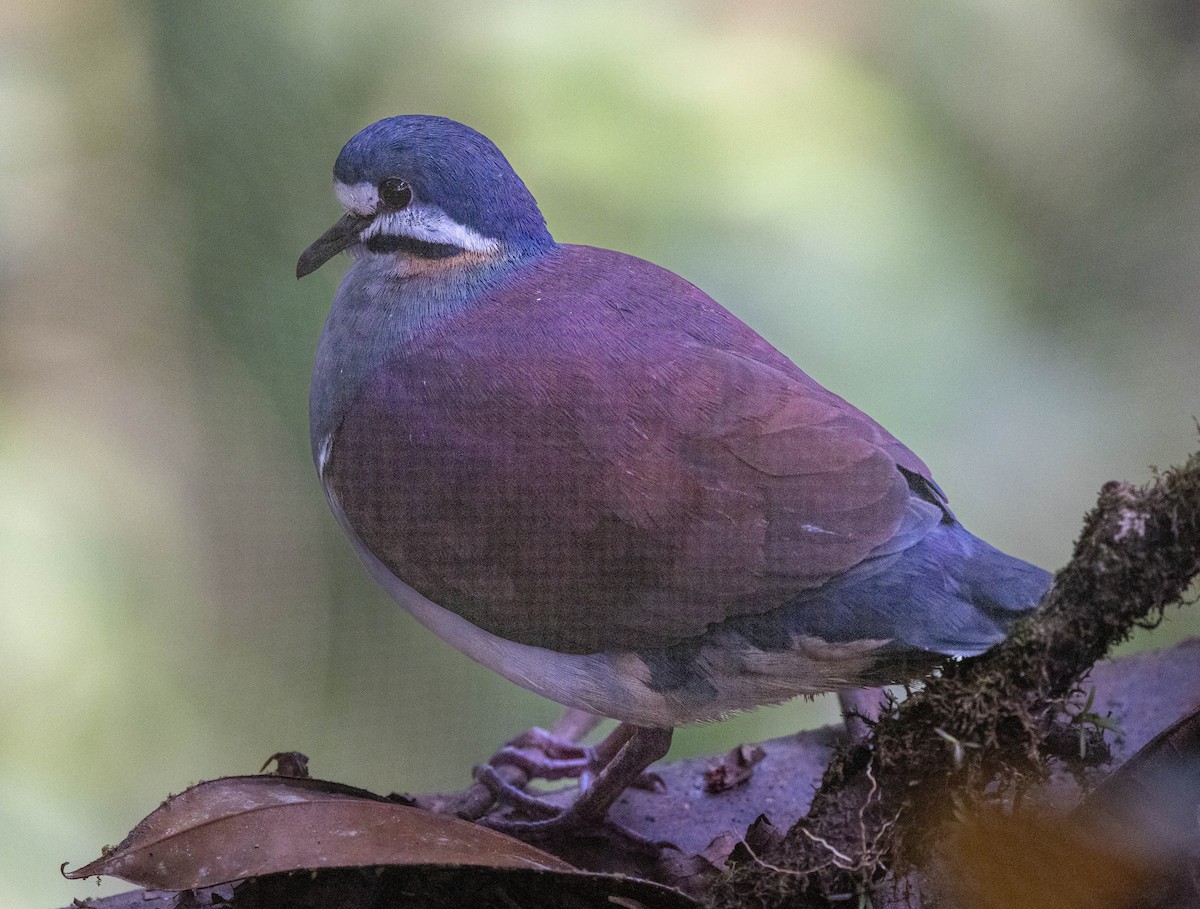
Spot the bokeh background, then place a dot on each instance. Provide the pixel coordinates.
(978, 221)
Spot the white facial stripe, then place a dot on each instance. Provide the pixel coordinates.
(360, 198)
(431, 224)
(419, 221)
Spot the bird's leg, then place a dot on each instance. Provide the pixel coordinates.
(553, 754)
(504, 777)
(609, 749)
(641, 748)
(861, 708)
(593, 761)
(510, 776)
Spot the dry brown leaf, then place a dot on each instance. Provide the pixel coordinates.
(245, 826)
(733, 769)
(453, 888)
(429, 887)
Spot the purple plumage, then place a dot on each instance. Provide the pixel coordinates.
(585, 473)
(596, 456)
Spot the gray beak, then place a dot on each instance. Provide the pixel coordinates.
(341, 236)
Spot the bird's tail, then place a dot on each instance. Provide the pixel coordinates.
(1000, 585)
(947, 593)
(992, 590)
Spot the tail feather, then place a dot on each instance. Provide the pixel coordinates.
(949, 593)
(1003, 586)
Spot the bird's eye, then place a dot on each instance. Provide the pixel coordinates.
(394, 193)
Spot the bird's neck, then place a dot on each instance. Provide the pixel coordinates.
(406, 291)
(382, 304)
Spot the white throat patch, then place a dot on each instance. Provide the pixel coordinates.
(421, 221)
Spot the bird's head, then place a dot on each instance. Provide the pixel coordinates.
(427, 188)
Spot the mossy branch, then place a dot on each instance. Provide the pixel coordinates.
(883, 807)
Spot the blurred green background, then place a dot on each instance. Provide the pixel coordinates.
(977, 221)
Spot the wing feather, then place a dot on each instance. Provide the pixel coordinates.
(597, 456)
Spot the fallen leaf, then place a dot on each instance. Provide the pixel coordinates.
(455, 888)
(762, 836)
(239, 827)
(429, 887)
(695, 874)
(733, 769)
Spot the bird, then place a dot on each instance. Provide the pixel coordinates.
(581, 471)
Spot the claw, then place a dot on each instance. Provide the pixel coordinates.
(543, 766)
(508, 794)
(626, 754)
(546, 756)
(549, 744)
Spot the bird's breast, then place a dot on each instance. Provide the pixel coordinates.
(375, 316)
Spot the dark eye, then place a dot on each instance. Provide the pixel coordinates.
(394, 193)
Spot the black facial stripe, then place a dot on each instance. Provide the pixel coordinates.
(386, 243)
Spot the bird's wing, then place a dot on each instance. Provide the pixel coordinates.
(586, 462)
